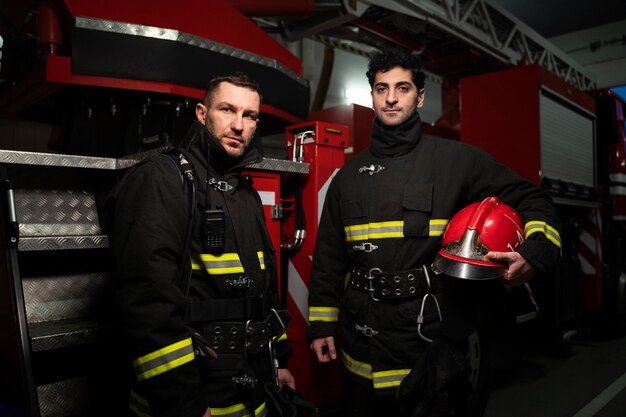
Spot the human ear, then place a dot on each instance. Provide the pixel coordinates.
(420, 98)
(201, 111)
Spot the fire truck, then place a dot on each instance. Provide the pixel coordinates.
(90, 89)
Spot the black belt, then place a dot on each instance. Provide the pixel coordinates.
(237, 337)
(393, 285)
(243, 337)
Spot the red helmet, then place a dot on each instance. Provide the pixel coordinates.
(481, 227)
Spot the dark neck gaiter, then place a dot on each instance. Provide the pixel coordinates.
(390, 141)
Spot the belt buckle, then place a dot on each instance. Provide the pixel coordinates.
(370, 278)
(246, 343)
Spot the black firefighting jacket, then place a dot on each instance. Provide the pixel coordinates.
(149, 225)
(390, 213)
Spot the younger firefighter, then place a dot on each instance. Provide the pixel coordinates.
(382, 223)
(195, 274)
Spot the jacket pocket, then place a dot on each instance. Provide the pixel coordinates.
(352, 209)
(417, 206)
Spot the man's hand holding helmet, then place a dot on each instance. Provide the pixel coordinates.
(518, 269)
(480, 243)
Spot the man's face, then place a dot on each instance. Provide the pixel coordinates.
(395, 96)
(231, 116)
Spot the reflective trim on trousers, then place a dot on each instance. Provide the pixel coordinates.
(380, 379)
(239, 410)
(141, 408)
(164, 359)
(328, 314)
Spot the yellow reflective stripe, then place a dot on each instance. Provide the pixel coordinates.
(391, 229)
(437, 227)
(239, 410)
(323, 314)
(380, 379)
(281, 337)
(261, 257)
(139, 405)
(542, 227)
(392, 378)
(164, 359)
(196, 266)
(225, 263)
(261, 411)
(361, 369)
(380, 230)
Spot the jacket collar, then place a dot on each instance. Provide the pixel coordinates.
(198, 138)
(390, 141)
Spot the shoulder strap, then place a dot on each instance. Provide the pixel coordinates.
(185, 170)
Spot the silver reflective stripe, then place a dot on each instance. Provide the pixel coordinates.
(356, 234)
(223, 264)
(385, 229)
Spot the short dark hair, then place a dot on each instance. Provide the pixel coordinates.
(239, 79)
(390, 58)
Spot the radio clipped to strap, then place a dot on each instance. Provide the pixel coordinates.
(213, 231)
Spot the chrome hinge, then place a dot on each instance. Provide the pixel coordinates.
(277, 211)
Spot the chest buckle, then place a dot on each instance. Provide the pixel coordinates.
(220, 185)
(365, 330)
(371, 169)
(365, 247)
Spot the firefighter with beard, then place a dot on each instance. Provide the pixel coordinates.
(194, 270)
(381, 227)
